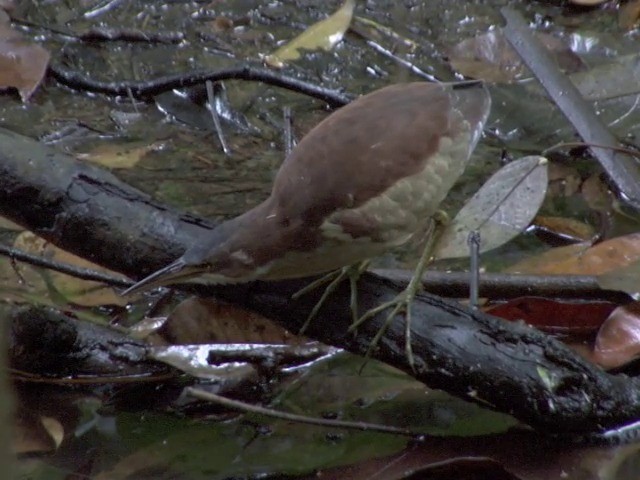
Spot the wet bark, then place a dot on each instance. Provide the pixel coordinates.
(507, 366)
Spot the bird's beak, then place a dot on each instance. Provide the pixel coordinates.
(172, 273)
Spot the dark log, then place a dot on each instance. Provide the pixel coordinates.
(507, 366)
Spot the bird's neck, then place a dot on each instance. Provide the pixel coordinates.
(240, 249)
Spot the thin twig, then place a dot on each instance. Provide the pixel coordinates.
(79, 81)
(82, 273)
(248, 408)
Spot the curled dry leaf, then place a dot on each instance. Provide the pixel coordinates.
(500, 210)
(618, 341)
(322, 35)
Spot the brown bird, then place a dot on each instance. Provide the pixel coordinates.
(365, 180)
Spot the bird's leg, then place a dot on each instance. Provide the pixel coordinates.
(402, 302)
(333, 279)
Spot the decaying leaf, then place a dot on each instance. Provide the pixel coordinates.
(500, 210)
(386, 31)
(567, 317)
(205, 321)
(625, 279)
(629, 14)
(588, 2)
(490, 56)
(22, 63)
(618, 341)
(582, 259)
(52, 284)
(563, 230)
(119, 155)
(322, 35)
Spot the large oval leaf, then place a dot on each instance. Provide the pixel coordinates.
(500, 210)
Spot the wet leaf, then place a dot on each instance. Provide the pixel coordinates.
(30, 435)
(625, 279)
(54, 428)
(193, 359)
(580, 259)
(490, 57)
(618, 341)
(22, 63)
(553, 316)
(112, 155)
(596, 193)
(629, 14)
(588, 2)
(563, 229)
(322, 35)
(190, 106)
(198, 320)
(63, 287)
(500, 210)
(564, 180)
(386, 31)
(540, 264)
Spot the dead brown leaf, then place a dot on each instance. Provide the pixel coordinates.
(581, 259)
(22, 63)
(201, 321)
(618, 340)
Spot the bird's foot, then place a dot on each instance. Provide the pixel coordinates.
(401, 303)
(333, 279)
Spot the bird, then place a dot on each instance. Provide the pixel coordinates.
(367, 179)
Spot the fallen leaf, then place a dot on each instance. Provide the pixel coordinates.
(554, 316)
(580, 259)
(596, 193)
(22, 63)
(81, 292)
(629, 14)
(386, 31)
(322, 35)
(563, 229)
(489, 56)
(588, 2)
(618, 341)
(198, 320)
(564, 180)
(112, 155)
(499, 211)
(624, 279)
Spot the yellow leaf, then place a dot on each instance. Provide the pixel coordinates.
(118, 155)
(322, 35)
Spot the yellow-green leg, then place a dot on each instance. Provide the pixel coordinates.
(353, 272)
(402, 302)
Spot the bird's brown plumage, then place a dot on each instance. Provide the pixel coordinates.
(338, 198)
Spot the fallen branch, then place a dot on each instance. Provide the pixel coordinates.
(507, 366)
